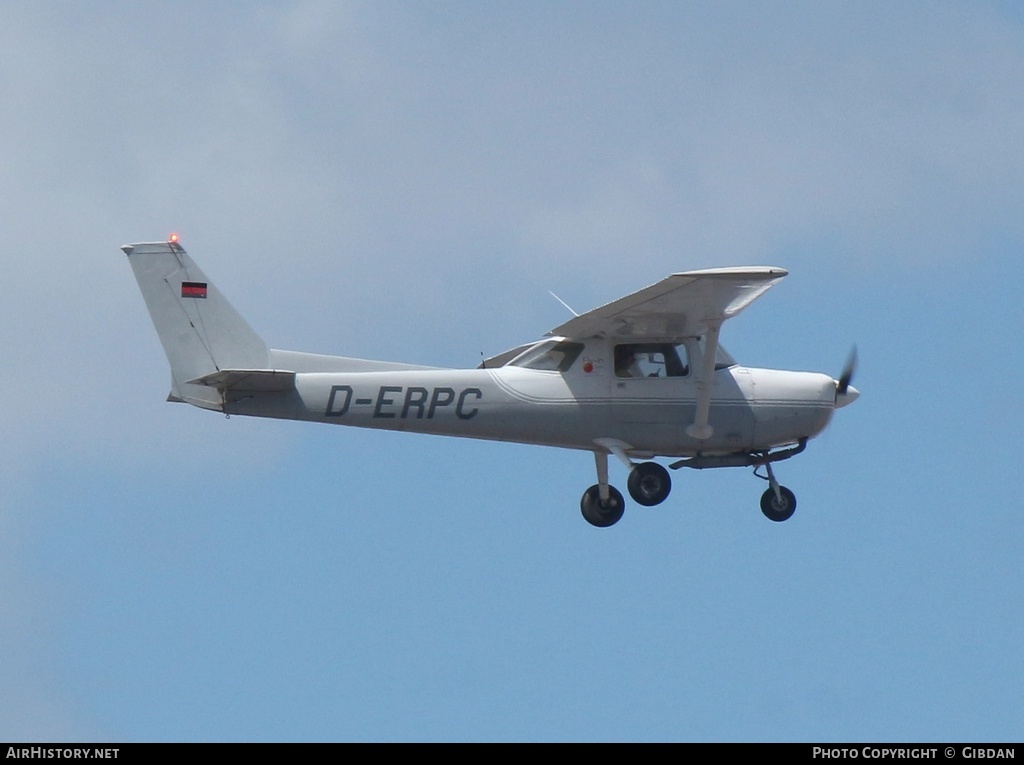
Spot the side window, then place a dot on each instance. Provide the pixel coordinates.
(644, 360)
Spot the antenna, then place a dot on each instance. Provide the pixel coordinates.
(569, 307)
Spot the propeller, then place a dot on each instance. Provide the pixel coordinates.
(846, 393)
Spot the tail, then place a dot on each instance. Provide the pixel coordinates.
(201, 333)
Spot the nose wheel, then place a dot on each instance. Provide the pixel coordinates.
(778, 508)
(778, 503)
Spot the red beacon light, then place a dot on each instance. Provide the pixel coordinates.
(173, 239)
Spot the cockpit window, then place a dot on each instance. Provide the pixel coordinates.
(651, 360)
(551, 356)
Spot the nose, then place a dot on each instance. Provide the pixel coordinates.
(847, 396)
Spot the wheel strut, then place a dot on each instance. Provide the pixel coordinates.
(601, 458)
(777, 503)
(773, 483)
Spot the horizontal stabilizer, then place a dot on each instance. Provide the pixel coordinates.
(250, 380)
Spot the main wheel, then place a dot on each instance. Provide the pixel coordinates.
(601, 514)
(649, 484)
(777, 511)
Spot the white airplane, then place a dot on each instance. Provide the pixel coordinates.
(638, 378)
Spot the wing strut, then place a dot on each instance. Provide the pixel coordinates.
(701, 429)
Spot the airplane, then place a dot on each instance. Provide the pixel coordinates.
(641, 377)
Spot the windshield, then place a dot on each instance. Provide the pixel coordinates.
(551, 356)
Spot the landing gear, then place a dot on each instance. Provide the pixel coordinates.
(778, 508)
(602, 504)
(649, 484)
(602, 512)
(778, 503)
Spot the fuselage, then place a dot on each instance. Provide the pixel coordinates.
(752, 409)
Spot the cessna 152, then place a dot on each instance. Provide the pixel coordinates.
(638, 378)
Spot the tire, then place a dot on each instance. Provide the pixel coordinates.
(778, 511)
(600, 515)
(649, 484)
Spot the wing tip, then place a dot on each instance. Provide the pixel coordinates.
(770, 272)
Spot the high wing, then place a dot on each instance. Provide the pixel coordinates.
(687, 304)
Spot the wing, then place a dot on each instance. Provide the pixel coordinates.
(690, 304)
(682, 305)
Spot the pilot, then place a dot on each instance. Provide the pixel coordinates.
(625, 362)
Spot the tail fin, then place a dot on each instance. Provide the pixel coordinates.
(200, 331)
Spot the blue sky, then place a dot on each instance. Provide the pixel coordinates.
(407, 181)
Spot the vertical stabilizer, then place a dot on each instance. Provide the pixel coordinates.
(199, 329)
